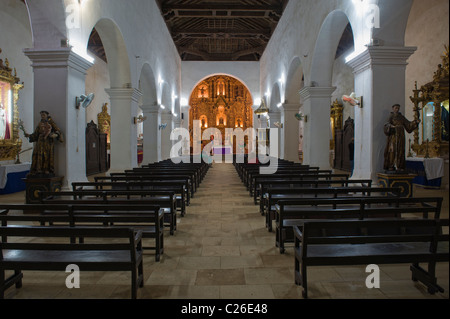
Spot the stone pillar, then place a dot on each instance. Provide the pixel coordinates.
(316, 135)
(291, 132)
(59, 77)
(166, 143)
(380, 80)
(152, 134)
(124, 107)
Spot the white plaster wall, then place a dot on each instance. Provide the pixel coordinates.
(428, 29)
(295, 35)
(141, 25)
(298, 31)
(12, 41)
(138, 36)
(147, 41)
(193, 72)
(97, 80)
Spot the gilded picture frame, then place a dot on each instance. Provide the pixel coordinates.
(10, 142)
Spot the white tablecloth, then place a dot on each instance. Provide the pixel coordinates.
(7, 169)
(434, 167)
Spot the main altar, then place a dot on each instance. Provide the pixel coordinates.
(221, 102)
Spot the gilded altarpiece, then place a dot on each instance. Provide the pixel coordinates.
(221, 102)
(431, 107)
(104, 123)
(10, 143)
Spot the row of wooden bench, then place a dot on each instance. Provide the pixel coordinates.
(334, 220)
(122, 212)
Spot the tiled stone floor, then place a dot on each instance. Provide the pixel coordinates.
(222, 250)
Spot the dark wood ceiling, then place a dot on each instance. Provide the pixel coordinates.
(221, 30)
(95, 45)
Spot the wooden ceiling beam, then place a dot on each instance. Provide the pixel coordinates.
(170, 15)
(221, 30)
(222, 7)
(249, 32)
(259, 50)
(203, 55)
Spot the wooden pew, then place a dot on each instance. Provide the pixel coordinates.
(274, 195)
(194, 174)
(155, 175)
(178, 187)
(282, 173)
(46, 256)
(146, 218)
(248, 173)
(255, 184)
(191, 183)
(141, 178)
(294, 184)
(164, 199)
(200, 169)
(326, 243)
(292, 212)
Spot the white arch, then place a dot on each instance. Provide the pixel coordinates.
(294, 81)
(219, 74)
(116, 52)
(275, 98)
(148, 86)
(48, 23)
(326, 46)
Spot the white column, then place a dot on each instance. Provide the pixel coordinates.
(380, 80)
(166, 143)
(152, 134)
(316, 135)
(291, 132)
(274, 118)
(124, 107)
(59, 77)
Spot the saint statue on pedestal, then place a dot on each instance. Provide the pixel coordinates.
(394, 129)
(44, 137)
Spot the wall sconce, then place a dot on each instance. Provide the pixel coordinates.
(139, 119)
(162, 126)
(353, 100)
(84, 101)
(279, 125)
(301, 117)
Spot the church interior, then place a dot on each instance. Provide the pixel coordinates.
(166, 113)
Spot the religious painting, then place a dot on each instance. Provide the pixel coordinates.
(5, 111)
(10, 143)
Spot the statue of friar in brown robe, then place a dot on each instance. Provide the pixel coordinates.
(44, 136)
(394, 129)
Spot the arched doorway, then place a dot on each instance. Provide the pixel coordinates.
(221, 102)
(123, 99)
(317, 97)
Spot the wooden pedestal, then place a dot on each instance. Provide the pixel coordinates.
(402, 181)
(36, 185)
